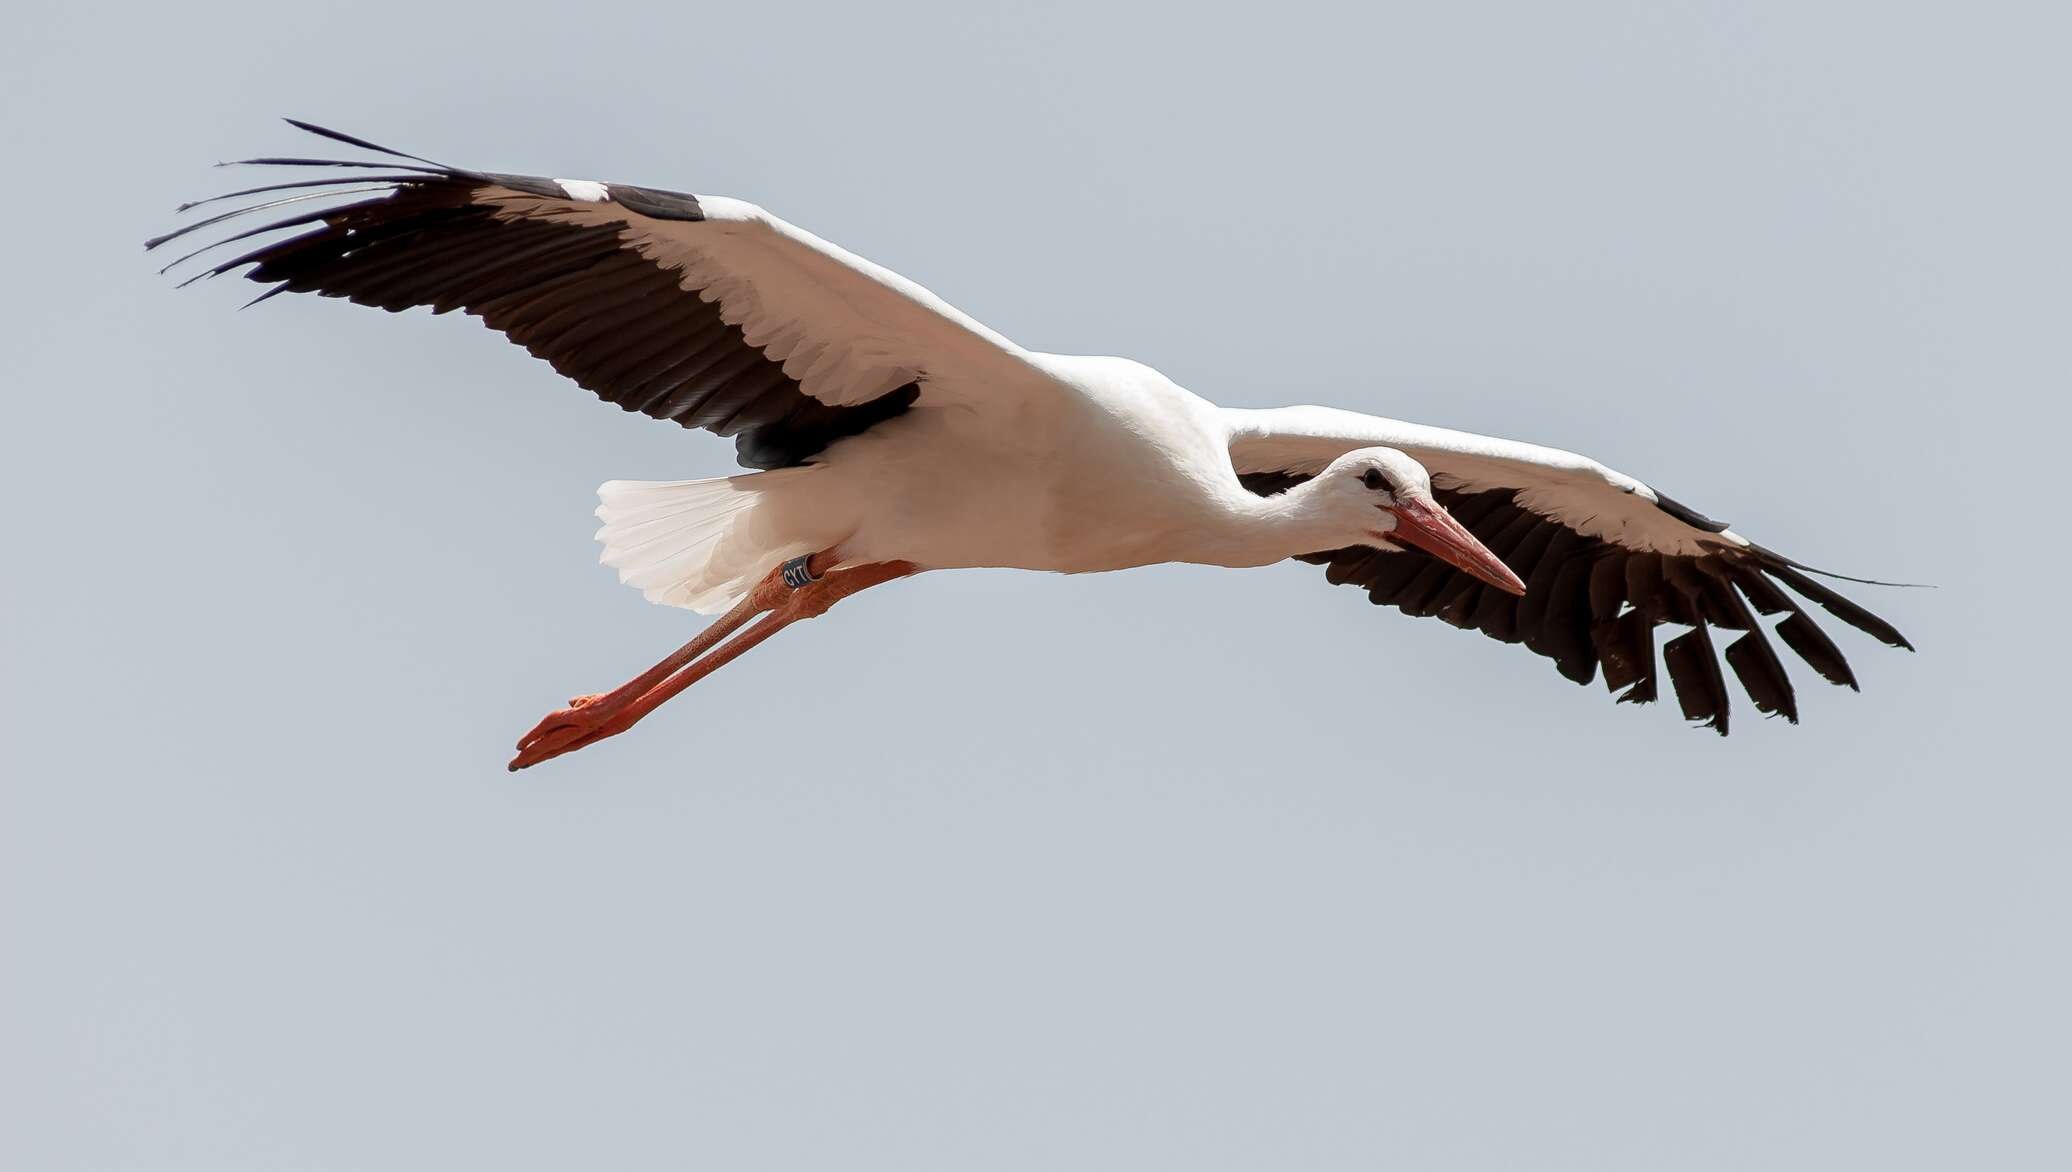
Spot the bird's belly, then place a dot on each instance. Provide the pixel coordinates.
(1001, 539)
(1042, 497)
(1016, 518)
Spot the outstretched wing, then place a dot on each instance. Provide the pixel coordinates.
(701, 309)
(1605, 560)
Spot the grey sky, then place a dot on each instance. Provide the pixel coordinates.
(1174, 868)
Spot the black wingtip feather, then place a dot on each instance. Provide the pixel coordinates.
(276, 291)
(1840, 607)
(1701, 688)
(336, 181)
(234, 213)
(296, 161)
(1810, 643)
(363, 144)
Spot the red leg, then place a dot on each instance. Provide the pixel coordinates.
(589, 719)
(587, 711)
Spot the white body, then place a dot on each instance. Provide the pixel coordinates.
(1105, 465)
(1110, 466)
(904, 431)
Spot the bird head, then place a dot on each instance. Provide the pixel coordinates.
(1385, 497)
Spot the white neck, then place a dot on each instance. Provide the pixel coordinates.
(1255, 530)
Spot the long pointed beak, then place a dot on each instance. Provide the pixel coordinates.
(1433, 529)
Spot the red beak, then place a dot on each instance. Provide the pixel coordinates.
(1433, 530)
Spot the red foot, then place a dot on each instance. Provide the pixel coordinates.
(561, 731)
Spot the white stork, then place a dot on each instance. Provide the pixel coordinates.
(892, 434)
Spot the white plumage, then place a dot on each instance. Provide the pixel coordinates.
(896, 435)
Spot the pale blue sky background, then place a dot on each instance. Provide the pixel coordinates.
(1172, 869)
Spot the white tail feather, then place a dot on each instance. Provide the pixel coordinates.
(699, 544)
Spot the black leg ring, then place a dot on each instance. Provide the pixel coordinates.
(799, 572)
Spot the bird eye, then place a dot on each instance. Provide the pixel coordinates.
(1373, 479)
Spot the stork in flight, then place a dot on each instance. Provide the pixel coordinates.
(891, 434)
